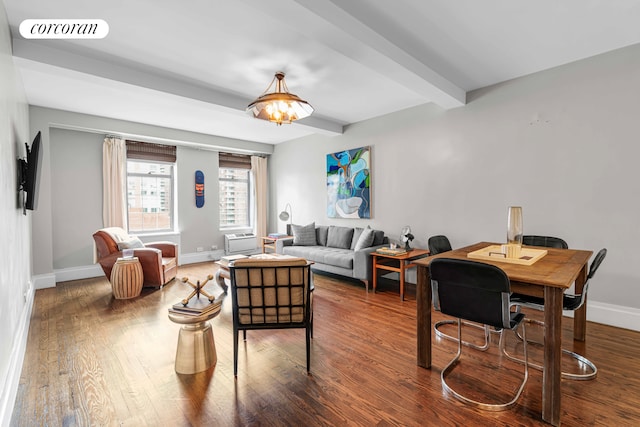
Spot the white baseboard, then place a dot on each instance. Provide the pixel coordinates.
(43, 281)
(16, 360)
(196, 257)
(612, 315)
(77, 273)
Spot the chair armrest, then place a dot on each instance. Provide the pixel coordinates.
(363, 264)
(169, 249)
(281, 243)
(148, 255)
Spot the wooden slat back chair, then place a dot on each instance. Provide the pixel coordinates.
(480, 293)
(270, 294)
(438, 244)
(570, 302)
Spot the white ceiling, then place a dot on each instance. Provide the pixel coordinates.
(195, 65)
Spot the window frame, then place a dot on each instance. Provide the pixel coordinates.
(250, 202)
(172, 185)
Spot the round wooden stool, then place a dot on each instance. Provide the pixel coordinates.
(126, 278)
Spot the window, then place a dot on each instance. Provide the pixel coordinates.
(234, 198)
(150, 187)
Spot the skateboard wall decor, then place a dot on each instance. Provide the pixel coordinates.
(199, 189)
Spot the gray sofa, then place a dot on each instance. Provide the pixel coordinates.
(334, 249)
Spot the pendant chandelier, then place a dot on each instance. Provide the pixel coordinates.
(279, 106)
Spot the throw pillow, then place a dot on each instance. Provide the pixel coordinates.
(339, 237)
(365, 240)
(304, 235)
(378, 238)
(356, 236)
(132, 243)
(321, 234)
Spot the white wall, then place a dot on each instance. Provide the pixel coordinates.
(16, 290)
(561, 143)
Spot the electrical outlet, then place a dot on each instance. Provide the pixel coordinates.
(199, 249)
(214, 247)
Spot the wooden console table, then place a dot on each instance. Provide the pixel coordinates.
(397, 263)
(270, 243)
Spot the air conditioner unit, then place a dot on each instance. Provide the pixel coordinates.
(241, 242)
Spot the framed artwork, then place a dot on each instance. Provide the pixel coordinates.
(349, 183)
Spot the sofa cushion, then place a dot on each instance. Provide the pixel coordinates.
(378, 237)
(321, 234)
(323, 255)
(365, 240)
(339, 237)
(357, 232)
(304, 235)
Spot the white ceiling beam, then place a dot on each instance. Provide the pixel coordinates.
(229, 103)
(325, 22)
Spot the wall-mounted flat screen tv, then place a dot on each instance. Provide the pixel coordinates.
(30, 173)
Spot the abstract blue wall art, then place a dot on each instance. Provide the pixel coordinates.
(349, 183)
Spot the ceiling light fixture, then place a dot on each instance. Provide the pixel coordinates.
(279, 106)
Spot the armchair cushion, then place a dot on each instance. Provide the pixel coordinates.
(132, 243)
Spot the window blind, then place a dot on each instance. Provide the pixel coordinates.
(231, 160)
(150, 151)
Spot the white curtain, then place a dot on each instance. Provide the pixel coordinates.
(259, 175)
(114, 182)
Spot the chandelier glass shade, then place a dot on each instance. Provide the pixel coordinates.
(279, 106)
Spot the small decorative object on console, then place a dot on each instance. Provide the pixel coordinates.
(406, 237)
(391, 251)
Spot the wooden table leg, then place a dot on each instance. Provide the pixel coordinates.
(423, 304)
(375, 273)
(552, 374)
(580, 315)
(401, 280)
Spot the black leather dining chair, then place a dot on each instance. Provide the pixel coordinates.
(546, 241)
(570, 302)
(438, 244)
(480, 293)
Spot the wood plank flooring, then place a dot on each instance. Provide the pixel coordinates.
(93, 360)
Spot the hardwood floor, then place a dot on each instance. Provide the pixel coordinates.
(94, 360)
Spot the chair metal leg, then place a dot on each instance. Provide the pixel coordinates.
(487, 337)
(593, 370)
(235, 353)
(475, 403)
(308, 337)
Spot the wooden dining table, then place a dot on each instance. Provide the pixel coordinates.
(549, 277)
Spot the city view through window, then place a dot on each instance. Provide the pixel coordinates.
(149, 196)
(234, 198)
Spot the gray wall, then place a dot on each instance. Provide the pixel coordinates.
(76, 190)
(16, 288)
(198, 226)
(70, 203)
(562, 143)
